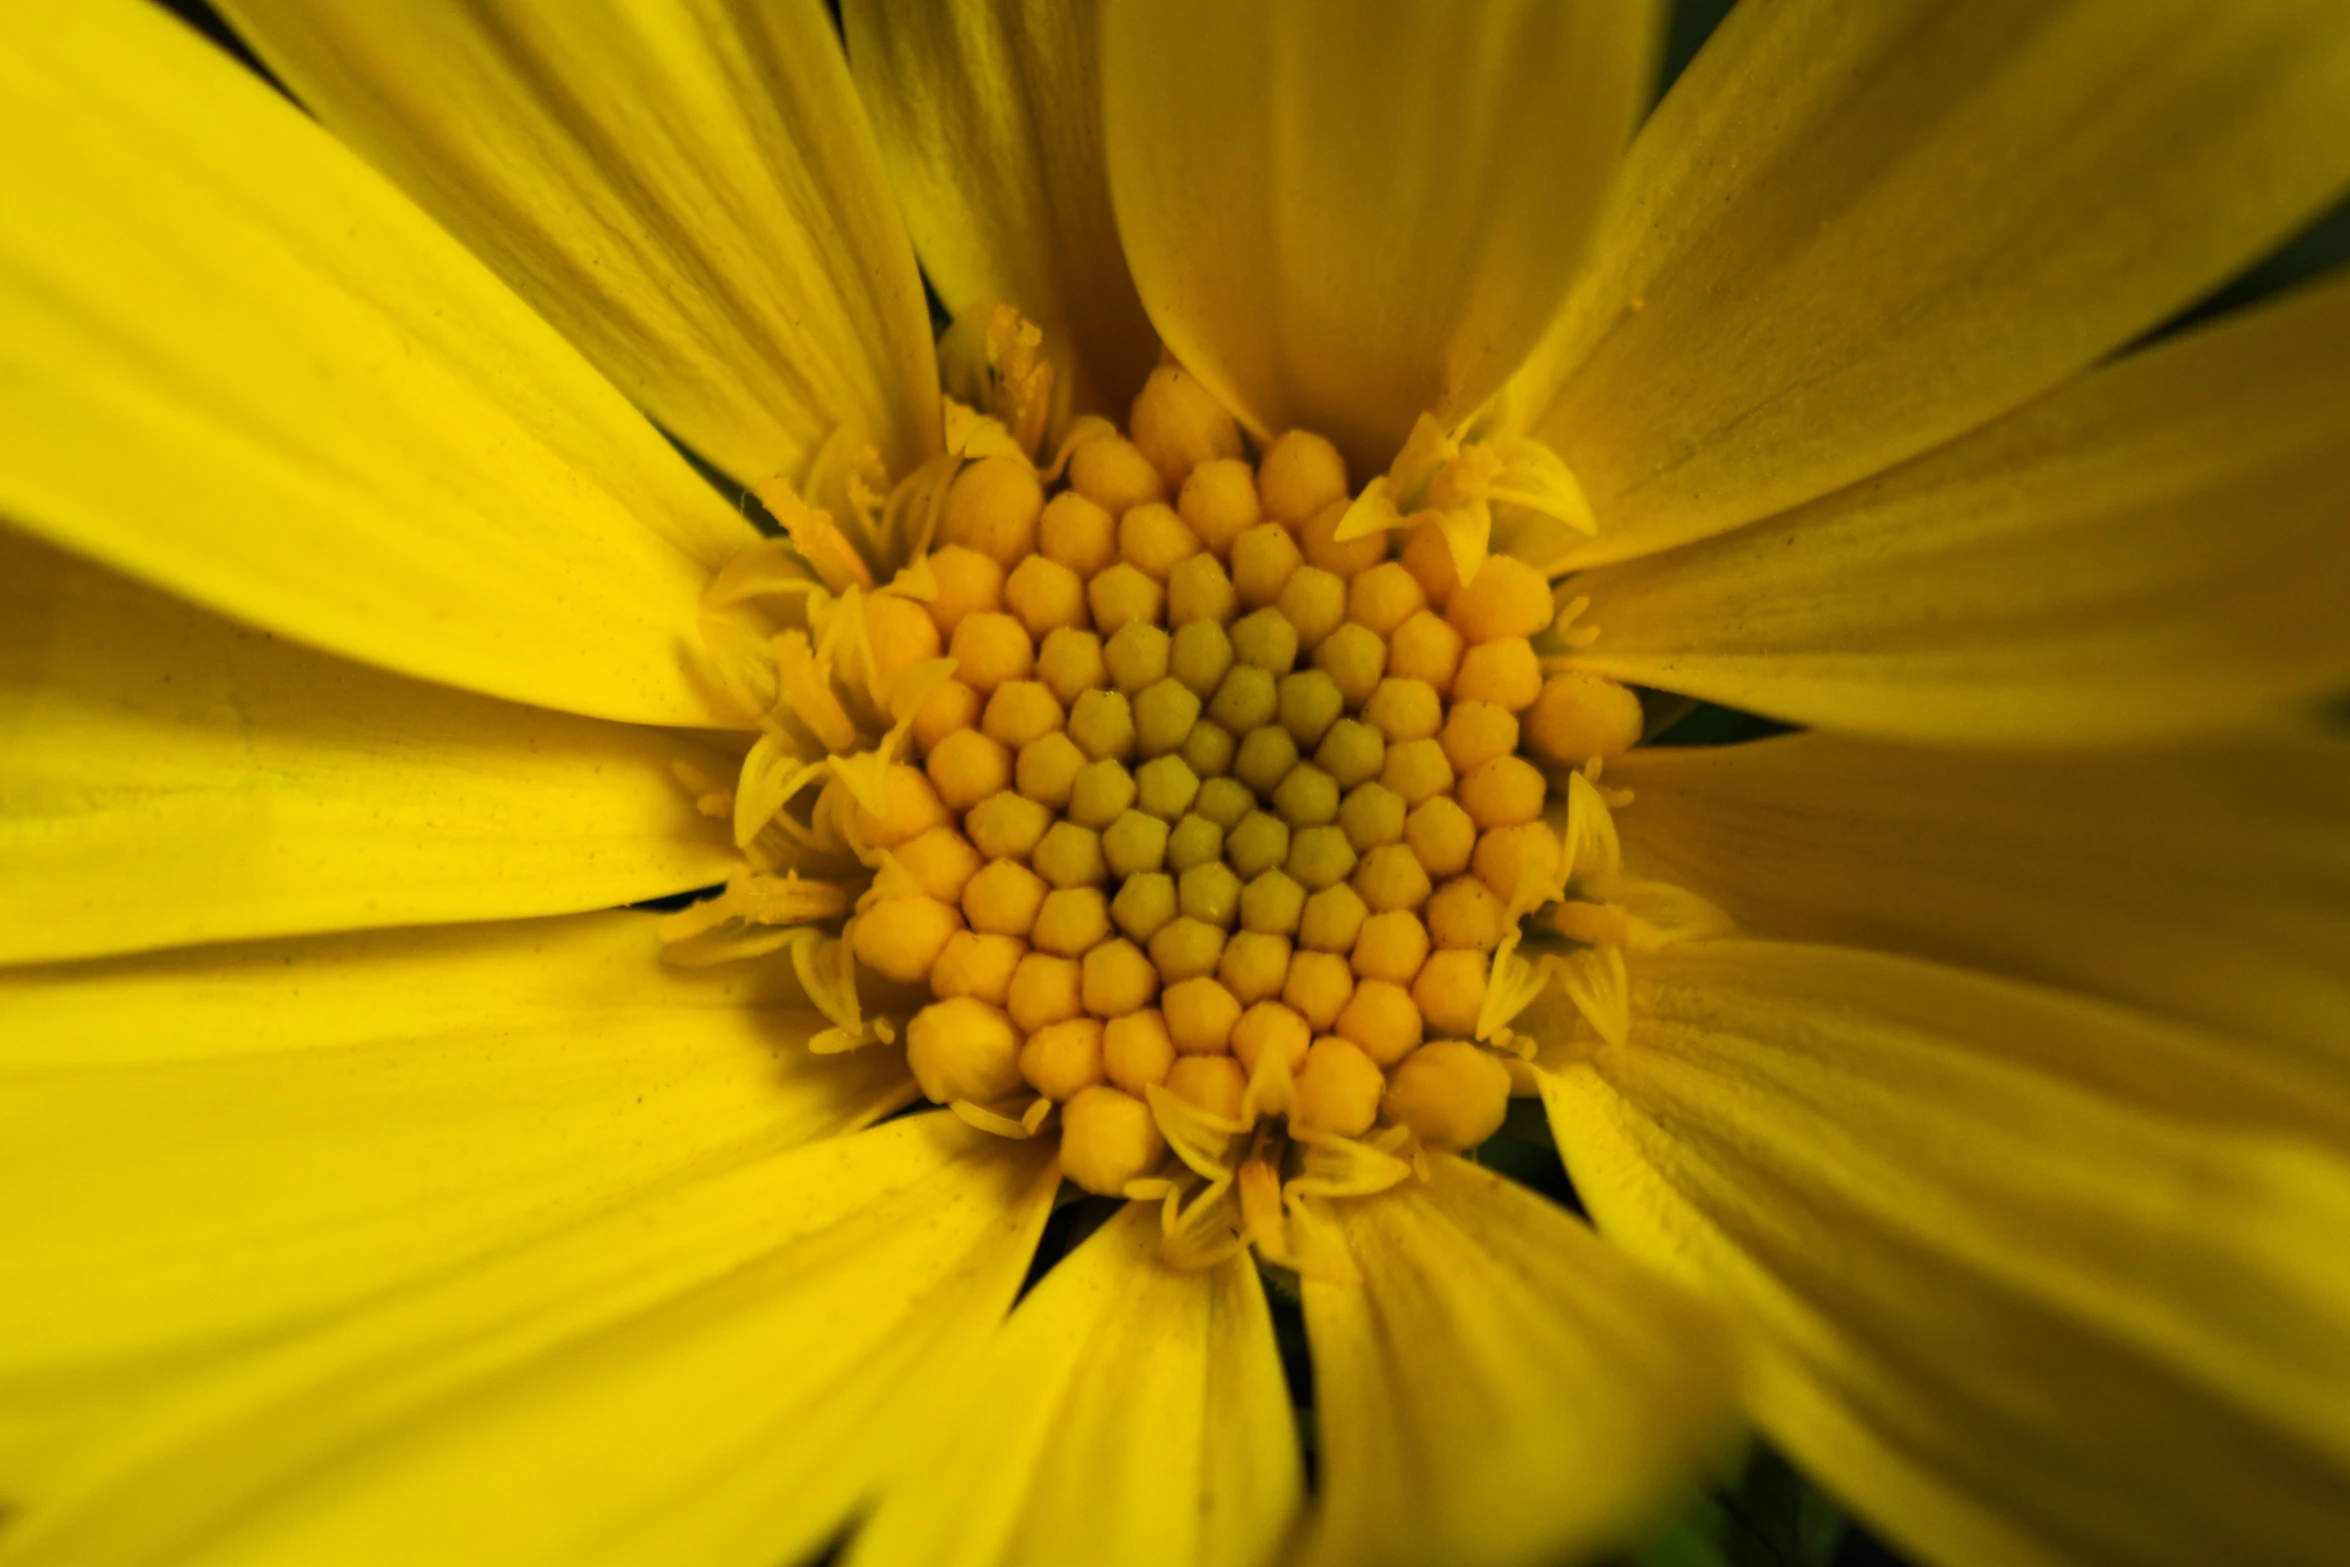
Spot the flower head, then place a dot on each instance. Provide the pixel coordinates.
(1184, 733)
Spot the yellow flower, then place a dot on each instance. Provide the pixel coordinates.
(366, 1194)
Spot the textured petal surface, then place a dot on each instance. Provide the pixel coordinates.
(1503, 1386)
(2026, 1300)
(204, 1149)
(2212, 885)
(1342, 217)
(688, 192)
(238, 364)
(990, 118)
(167, 777)
(718, 1372)
(2154, 551)
(1130, 1413)
(1852, 232)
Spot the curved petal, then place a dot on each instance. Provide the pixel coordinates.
(169, 778)
(2012, 1287)
(690, 193)
(209, 1150)
(990, 119)
(718, 1372)
(1130, 1413)
(1853, 232)
(1340, 218)
(238, 365)
(2154, 552)
(1502, 1386)
(2210, 885)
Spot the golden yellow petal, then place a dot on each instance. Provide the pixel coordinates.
(719, 1372)
(206, 1149)
(2211, 885)
(2020, 1298)
(989, 117)
(1129, 1413)
(167, 777)
(243, 368)
(1853, 232)
(1502, 1386)
(690, 193)
(1340, 218)
(2154, 552)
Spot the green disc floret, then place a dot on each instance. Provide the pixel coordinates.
(1257, 844)
(1134, 844)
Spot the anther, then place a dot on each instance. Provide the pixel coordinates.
(1045, 989)
(1504, 673)
(1144, 903)
(1301, 473)
(1426, 648)
(968, 583)
(1255, 965)
(1069, 663)
(1314, 601)
(1451, 1094)
(1319, 986)
(1215, 1084)
(1008, 826)
(977, 965)
(1508, 598)
(1113, 473)
(1355, 661)
(990, 648)
(1577, 717)
(1154, 540)
(992, 507)
(1178, 424)
(1063, 1059)
(1219, 502)
(1022, 711)
(1137, 1051)
(1198, 589)
(1045, 596)
(1136, 657)
(1200, 1014)
(1077, 533)
(1004, 899)
(1339, 1089)
(1116, 979)
(1108, 1137)
(901, 938)
(963, 1048)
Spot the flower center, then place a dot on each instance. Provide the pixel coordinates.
(1202, 827)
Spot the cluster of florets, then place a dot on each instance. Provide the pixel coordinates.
(1217, 804)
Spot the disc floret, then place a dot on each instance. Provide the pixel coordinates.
(1186, 817)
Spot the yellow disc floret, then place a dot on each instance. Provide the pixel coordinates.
(1199, 803)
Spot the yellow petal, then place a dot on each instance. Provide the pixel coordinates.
(1340, 218)
(242, 367)
(2210, 885)
(207, 1147)
(2153, 552)
(1130, 1413)
(989, 117)
(2021, 1302)
(167, 777)
(1853, 232)
(717, 1373)
(688, 192)
(1503, 1386)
